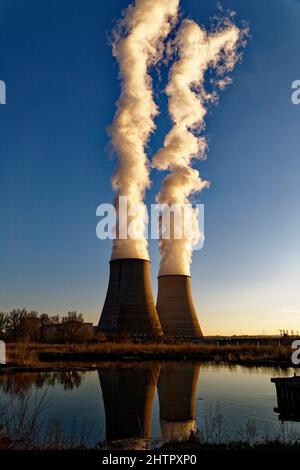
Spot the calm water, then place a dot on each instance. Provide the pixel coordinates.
(132, 400)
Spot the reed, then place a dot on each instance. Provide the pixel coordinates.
(37, 354)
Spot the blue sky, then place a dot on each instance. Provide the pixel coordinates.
(55, 167)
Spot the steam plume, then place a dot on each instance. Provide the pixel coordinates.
(137, 45)
(197, 51)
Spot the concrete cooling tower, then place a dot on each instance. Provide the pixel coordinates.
(177, 386)
(128, 393)
(175, 307)
(129, 305)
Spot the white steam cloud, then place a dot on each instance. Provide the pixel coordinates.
(137, 45)
(197, 51)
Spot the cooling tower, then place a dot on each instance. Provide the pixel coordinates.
(128, 392)
(175, 307)
(177, 387)
(129, 305)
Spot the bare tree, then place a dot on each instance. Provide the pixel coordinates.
(71, 325)
(3, 322)
(14, 324)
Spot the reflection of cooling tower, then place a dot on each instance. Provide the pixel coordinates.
(128, 396)
(177, 400)
(129, 305)
(175, 307)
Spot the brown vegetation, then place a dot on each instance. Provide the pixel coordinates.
(22, 428)
(34, 340)
(35, 354)
(19, 325)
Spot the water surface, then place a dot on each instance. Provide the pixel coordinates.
(143, 400)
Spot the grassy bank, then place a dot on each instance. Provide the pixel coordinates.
(39, 355)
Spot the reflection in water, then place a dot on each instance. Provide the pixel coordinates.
(288, 398)
(20, 384)
(177, 399)
(128, 394)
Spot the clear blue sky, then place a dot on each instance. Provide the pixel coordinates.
(55, 168)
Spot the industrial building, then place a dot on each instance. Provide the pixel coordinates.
(129, 306)
(175, 307)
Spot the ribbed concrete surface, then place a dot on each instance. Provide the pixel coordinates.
(128, 394)
(129, 305)
(175, 307)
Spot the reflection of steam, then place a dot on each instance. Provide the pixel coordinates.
(177, 400)
(137, 45)
(197, 51)
(128, 394)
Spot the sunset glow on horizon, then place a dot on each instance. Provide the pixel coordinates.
(56, 161)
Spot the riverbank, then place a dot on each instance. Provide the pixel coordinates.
(27, 356)
(271, 445)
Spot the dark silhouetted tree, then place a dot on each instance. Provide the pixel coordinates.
(72, 326)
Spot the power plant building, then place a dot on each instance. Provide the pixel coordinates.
(129, 306)
(175, 307)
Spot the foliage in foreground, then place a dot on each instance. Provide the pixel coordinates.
(21, 428)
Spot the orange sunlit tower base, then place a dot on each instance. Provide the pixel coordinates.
(175, 307)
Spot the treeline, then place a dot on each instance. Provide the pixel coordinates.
(21, 325)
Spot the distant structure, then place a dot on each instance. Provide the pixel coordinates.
(177, 388)
(51, 332)
(128, 394)
(129, 305)
(2, 92)
(175, 307)
(2, 353)
(288, 398)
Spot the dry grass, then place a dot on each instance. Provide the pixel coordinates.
(34, 354)
(22, 428)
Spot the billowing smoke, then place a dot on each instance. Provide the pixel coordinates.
(137, 45)
(197, 52)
